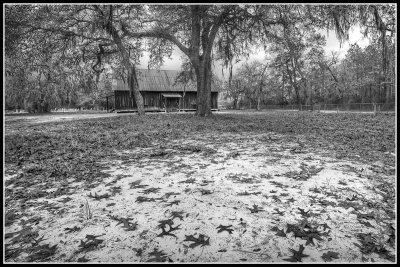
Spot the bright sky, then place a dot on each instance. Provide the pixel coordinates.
(355, 36)
(332, 44)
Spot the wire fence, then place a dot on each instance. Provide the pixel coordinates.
(352, 107)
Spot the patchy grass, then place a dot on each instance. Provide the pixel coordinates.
(176, 159)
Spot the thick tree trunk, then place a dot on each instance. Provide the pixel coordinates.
(203, 36)
(203, 73)
(132, 79)
(134, 89)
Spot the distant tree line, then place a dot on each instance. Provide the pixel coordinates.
(327, 79)
(43, 92)
(297, 70)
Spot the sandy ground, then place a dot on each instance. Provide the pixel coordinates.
(59, 116)
(235, 199)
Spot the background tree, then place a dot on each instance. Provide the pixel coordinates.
(235, 90)
(294, 46)
(74, 38)
(254, 75)
(376, 21)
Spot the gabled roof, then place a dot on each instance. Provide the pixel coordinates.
(156, 80)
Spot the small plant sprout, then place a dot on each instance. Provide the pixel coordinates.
(328, 181)
(87, 211)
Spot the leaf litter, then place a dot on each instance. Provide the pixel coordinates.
(94, 162)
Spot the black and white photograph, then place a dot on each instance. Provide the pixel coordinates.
(244, 133)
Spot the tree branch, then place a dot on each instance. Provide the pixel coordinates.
(65, 32)
(158, 33)
(215, 27)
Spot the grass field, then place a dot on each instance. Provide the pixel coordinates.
(243, 186)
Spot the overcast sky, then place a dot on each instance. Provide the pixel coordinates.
(332, 44)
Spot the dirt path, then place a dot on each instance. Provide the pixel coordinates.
(226, 198)
(58, 116)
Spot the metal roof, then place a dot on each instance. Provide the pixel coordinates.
(156, 80)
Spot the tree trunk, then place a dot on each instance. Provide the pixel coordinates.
(134, 89)
(283, 90)
(235, 103)
(294, 84)
(385, 60)
(309, 93)
(203, 73)
(183, 97)
(259, 97)
(388, 91)
(297, 92)
(202, 63)
(132, 79)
